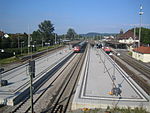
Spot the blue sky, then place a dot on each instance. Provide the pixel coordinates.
(83, 16)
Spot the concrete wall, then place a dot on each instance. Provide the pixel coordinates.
(146, 57)
(142, 57)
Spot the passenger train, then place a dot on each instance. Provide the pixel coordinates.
(107, 49)
(78, 48)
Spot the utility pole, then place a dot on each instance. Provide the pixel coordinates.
(55, 38)
(32, 75)
(140, 13)
(28, 40)
(134, 37)
(18, 43)
(42, 41)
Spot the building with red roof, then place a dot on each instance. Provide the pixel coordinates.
(141, 53)
(128, 37)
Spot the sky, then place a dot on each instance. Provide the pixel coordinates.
(102, 16)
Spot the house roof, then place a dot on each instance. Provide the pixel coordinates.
(127, 35)
(142, 49)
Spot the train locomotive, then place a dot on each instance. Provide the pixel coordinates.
(107, 50)
(78, 48)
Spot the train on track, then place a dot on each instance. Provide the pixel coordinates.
(107, 49)
(79, 47)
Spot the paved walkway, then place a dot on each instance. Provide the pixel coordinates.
(101, 74)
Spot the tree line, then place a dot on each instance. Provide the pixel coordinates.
(43, 36)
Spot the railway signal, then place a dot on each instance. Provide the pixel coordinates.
(32, 68)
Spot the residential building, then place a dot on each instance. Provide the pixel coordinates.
(141, 53)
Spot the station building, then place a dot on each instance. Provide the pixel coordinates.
(128, 38)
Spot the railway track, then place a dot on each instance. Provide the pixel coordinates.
(62, 101)
(24, 106)
(145, 70)
(69, 80)
(143, 79)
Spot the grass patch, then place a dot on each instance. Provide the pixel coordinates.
(47, 47)
(112, 110)
(130, 53)
(15, 59)
(9, 60)
(128, 110)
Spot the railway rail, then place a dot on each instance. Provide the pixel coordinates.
(140, 67)
(144, 69)
(70, 80)
(24, 106)
(62, 100)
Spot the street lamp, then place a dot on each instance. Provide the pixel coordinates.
(140, 13)
(55, 38)
(42, 38)
(1, 69)
(35, 46)
(22, 46)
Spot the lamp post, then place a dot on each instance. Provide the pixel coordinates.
(28, 41)
(1, 69)
(140, 13)
(42, 38)
(22, 46)
(18, 43)
(55, 38)
(32, 75)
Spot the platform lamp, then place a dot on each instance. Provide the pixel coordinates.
(22, 46)
(1, 69)
(2, 51)
(140, 13)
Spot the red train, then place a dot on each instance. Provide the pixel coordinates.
(78, 48)
(107, 50)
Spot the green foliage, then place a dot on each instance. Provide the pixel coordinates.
(9, 60)
(113, 110)
(5, 42)
(71, 34)
(128, 110)
(46, 27)
(46, 31)
(145, 35)
(17, 42)
(13, 41)
(36, 36)
(130, 53)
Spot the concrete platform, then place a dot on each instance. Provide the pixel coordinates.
(18, 78)
(97, 77)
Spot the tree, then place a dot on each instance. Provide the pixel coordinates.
(36, 36)
(71, 34)
(46, 30)
(145, 35)
(5, 43)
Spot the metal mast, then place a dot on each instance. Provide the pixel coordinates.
(140, 13)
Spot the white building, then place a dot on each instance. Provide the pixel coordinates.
(128, 38)
(142, 53)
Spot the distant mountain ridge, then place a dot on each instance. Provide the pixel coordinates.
(91, 34)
